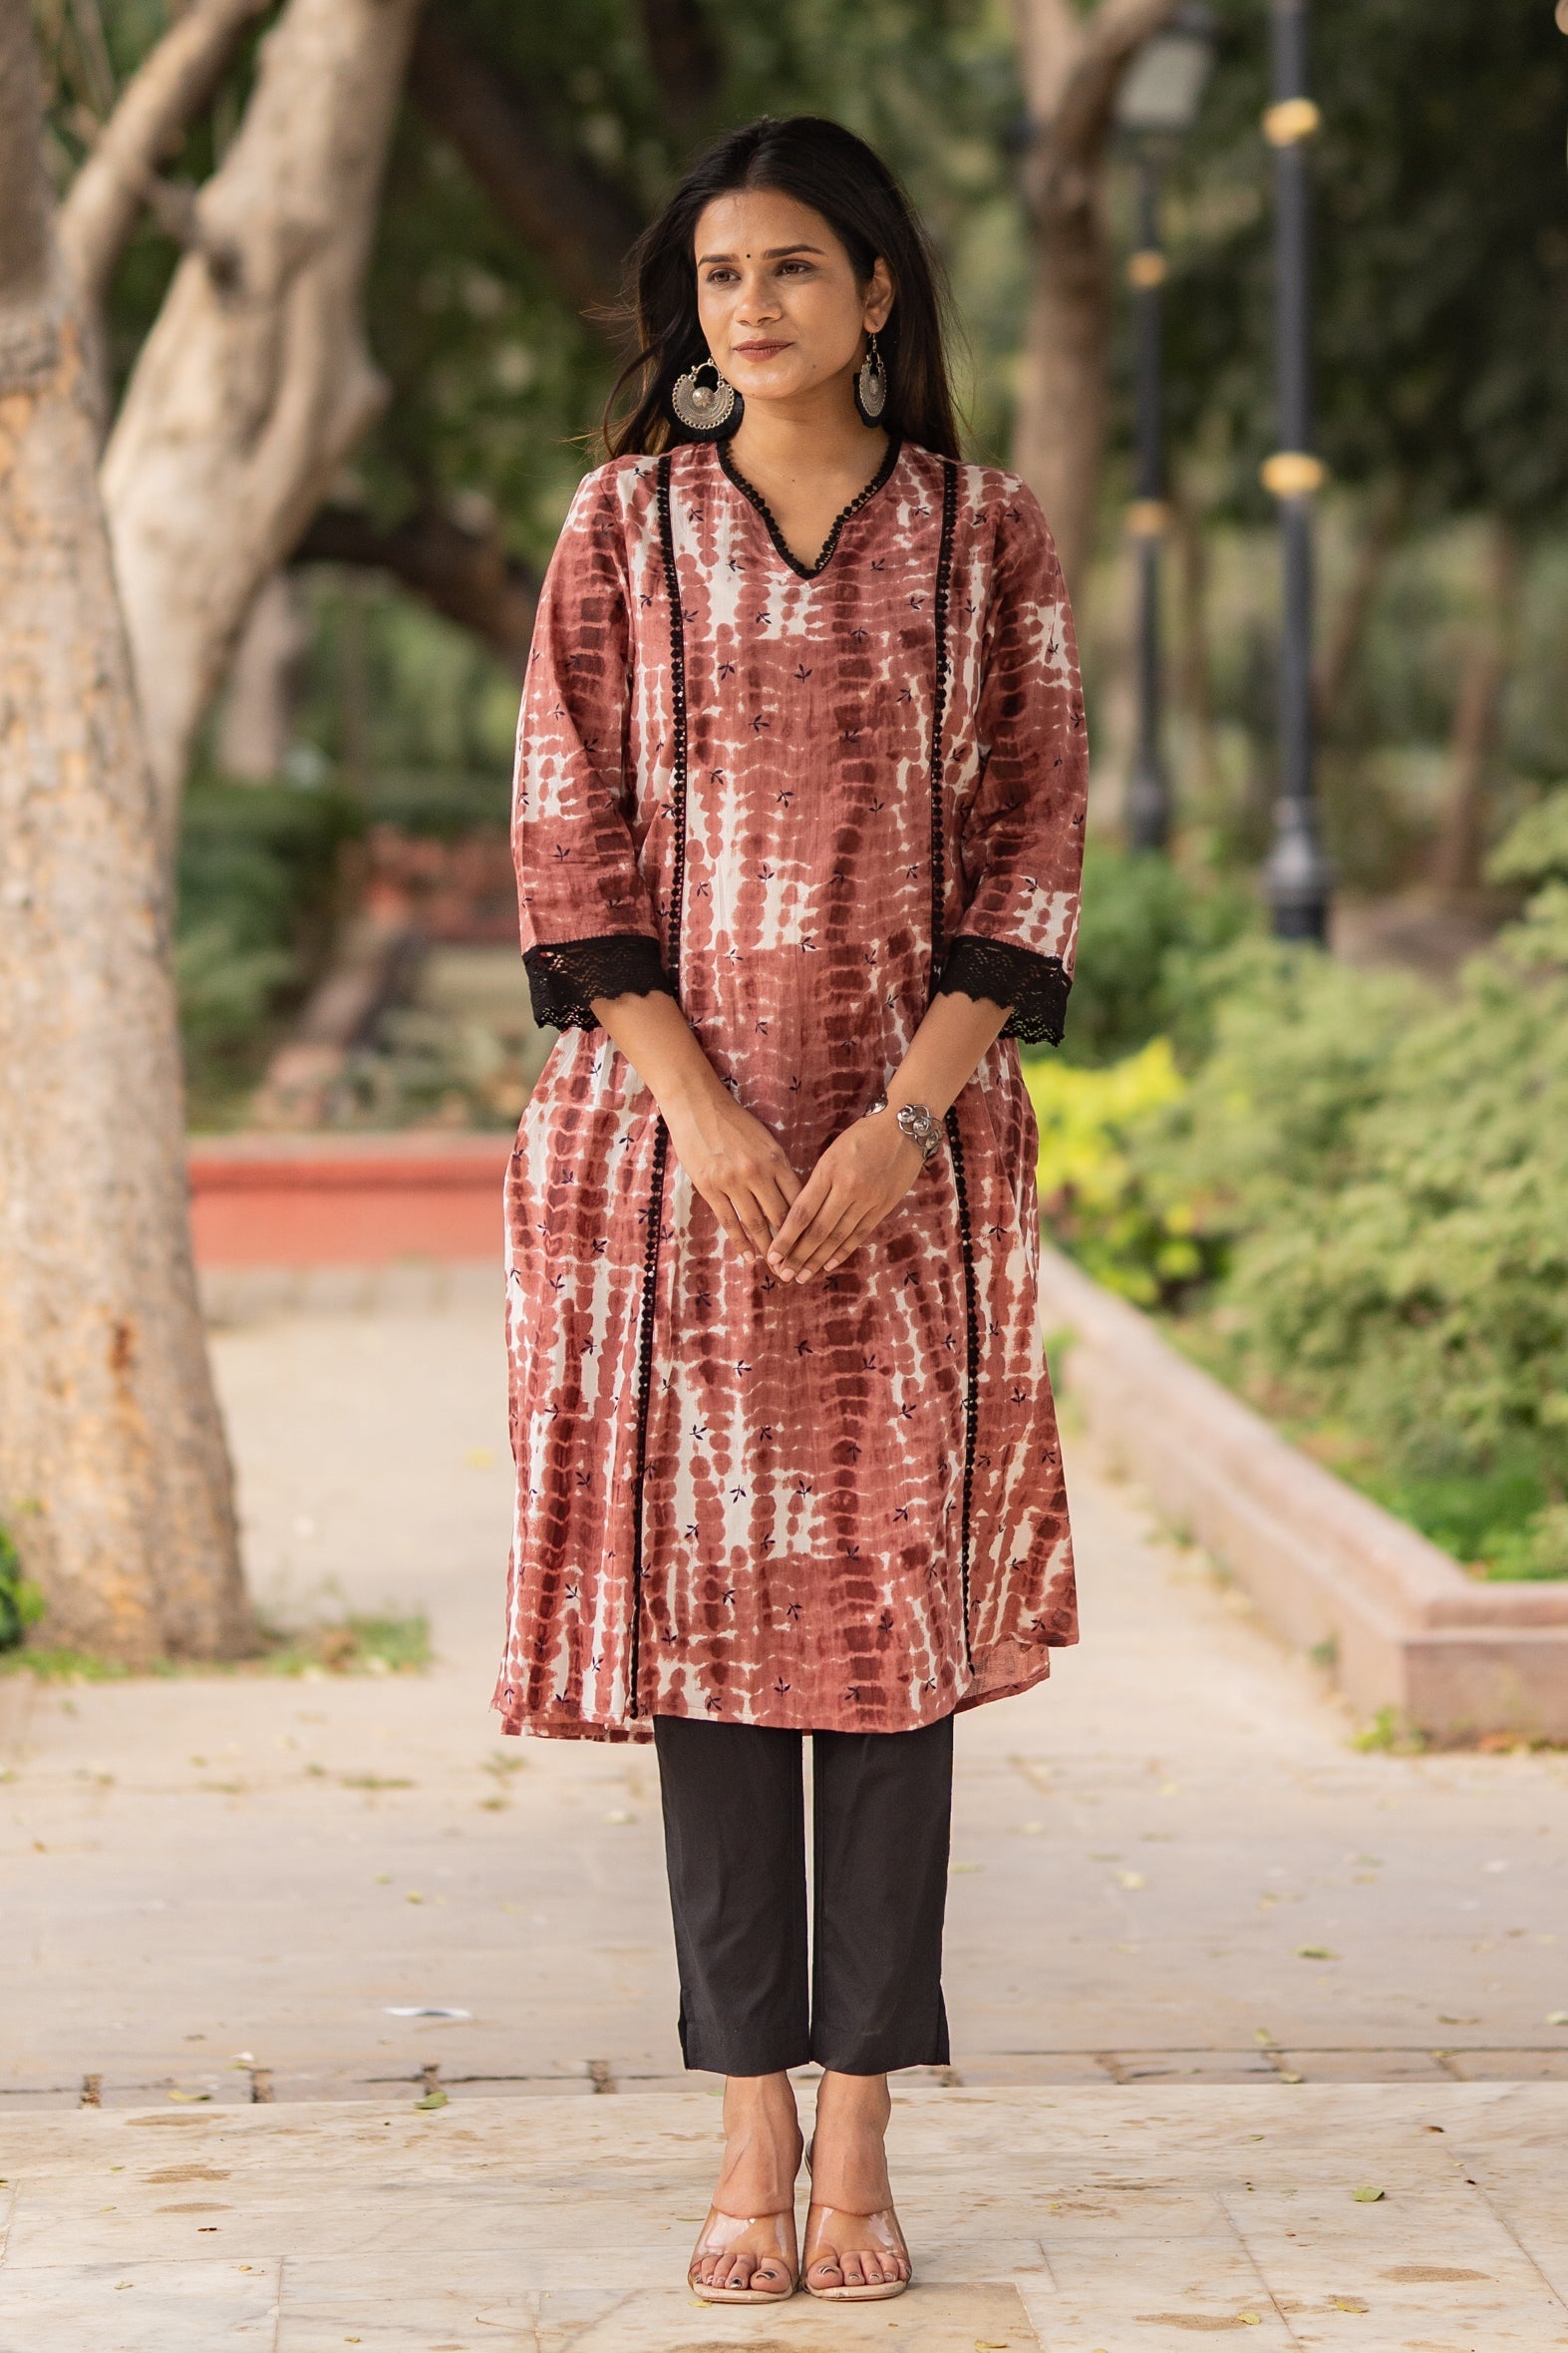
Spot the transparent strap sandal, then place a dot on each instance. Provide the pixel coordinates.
(885, 2238)
(773, 2252)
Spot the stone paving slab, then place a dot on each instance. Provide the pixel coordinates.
(1080, 2220)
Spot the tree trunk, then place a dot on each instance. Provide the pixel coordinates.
(1072, 69)
(113, 1480)
(256, 725)
(1347, 634)
(1476, 710)
(255, 381)
(1194, 655)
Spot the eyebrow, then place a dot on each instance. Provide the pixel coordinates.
(774, 253)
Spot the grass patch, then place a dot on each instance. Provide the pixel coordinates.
(348, 1646)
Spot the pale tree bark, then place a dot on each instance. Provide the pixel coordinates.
(113, 1480)
(121, 175)
(256, 722)
(1071, 66)
(255, 381)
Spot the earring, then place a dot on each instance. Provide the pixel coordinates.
(706, 403)
(870, 385)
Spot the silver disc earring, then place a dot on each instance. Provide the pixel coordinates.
(706, 403)
(870, 385)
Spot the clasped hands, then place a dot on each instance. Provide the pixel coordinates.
(799, 1229)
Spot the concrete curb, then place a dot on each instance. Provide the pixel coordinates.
(1406, 1628)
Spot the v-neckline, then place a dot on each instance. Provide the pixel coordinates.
(809, 572)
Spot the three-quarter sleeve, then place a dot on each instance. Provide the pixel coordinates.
(587, 920)
(1021, 838)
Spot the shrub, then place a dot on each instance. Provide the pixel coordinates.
(258, 889)
(1090, 1194)
(1147, 928)
(21, 1603)
(1379, 1179)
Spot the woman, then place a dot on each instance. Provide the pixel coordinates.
(799, 822)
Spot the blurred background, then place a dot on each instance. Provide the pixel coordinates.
(1341, 1178)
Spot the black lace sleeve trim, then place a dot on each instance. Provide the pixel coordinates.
(565, 976)
(1036, 987)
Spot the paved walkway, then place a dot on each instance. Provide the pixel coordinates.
(1172, 1873)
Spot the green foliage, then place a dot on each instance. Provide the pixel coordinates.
(1535, 852)
(1380, 1178)
(21, 1602)
(1149, 927)
(258, 881)
(1090, 1192)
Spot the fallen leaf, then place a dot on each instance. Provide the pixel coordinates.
(1130, 1880)
(1315, 1953)
(438, 2099)
(1366, 2196)
(1445, 2018)
(1349, 2304)
(1557, 2017)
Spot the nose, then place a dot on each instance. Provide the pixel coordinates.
(759, 301)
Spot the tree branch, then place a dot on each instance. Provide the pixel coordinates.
(468, 579)
(171, 84)
(1112, 37)
(571, 216)
(687, 61)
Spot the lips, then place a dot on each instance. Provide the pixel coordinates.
(758, 351)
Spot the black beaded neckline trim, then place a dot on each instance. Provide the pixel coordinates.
(809, 572)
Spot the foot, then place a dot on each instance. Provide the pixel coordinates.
(852, 2238)
(749, 2240)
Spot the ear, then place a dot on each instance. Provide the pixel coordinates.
(878, 297)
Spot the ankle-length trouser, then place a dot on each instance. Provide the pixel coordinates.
(735, 1842)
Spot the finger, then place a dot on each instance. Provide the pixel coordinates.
(802, 1210)
(724, 1212)
(833, 1219)
(847, 1243)
(753, 1221)
(769, 1187)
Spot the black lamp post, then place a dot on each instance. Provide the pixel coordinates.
(1297, 878)
(1158, 99)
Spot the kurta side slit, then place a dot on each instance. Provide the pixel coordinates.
(804, 801)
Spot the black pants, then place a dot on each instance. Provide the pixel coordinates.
(735, 1842)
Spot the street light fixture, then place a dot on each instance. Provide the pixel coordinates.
(1158, 102)
(1297, 878)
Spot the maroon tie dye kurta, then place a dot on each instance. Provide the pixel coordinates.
(799, 799)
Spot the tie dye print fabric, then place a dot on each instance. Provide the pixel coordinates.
(800, 800)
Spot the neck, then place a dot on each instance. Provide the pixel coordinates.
(815, 433)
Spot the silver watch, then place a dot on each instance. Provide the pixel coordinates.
(915, 1120)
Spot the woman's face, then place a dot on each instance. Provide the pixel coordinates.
(777, 297)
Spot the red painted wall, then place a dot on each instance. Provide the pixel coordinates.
(352, 1201)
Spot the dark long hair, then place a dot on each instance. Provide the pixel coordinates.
(822, 165)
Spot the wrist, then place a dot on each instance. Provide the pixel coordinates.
(917, 1122)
